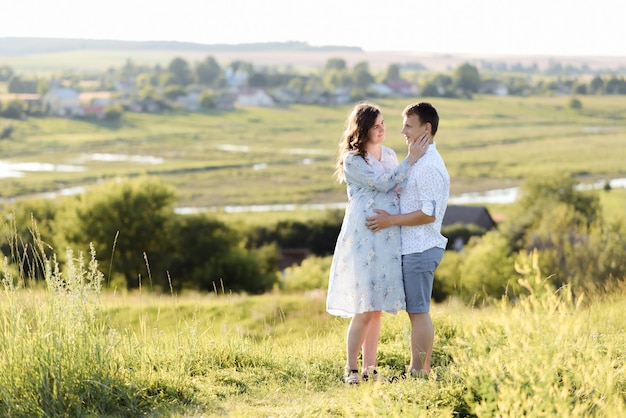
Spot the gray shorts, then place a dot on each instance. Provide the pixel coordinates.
(418, 273)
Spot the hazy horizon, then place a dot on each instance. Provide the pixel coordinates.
(483, 27)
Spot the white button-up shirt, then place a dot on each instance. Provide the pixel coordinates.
(427, 189)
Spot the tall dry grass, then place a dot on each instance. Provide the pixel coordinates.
(70, 349)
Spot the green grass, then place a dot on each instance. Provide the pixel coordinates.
(69, 350)
(488, 142)
(614, 204)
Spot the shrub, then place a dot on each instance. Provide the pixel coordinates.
(310, 275)
(575, 103)
(127, 224)
(6, 132)
(206, 255)
(487, 269)
(14, 109)
(113, 113)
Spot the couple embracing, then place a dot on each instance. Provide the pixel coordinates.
(390, 241)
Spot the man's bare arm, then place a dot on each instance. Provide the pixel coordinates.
(384, 220)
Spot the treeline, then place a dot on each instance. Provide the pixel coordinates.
(139, 241)
(163, 84)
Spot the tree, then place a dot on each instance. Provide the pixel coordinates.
(575, 103)
(430, 90)
(207, 255)
(146, 80)
(467, 78)
(30, 240)
(335, 64)
(207, 99)
(208, 72)
(441, 85)
(6, 73)
(538, 196)
(180, 70)
(14, 109)
(129, 69)
(392, 73)
(167, 78)
(613, 85)
(113, 113)
(596, 85)
(335, 79)
(127, 224)
(15, 85)
(361, 76)
(174, 91)
(258, 79)
(580, 89)
(243, 67)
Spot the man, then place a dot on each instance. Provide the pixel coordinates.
(423, 202)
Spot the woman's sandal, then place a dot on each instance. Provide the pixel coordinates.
(413, 375)
(373, 373)
(351, 377)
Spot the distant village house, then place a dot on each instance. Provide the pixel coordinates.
(467, 215)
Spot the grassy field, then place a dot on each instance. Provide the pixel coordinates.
(70, 351)
(286, 155)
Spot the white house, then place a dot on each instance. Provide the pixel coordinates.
(495, 87)
(381, 89)
(96, 98)
(254, 97)
(235, 78)
(403, 88)
(62, 101)
(191, 101)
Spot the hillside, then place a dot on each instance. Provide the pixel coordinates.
(36, 54)
(29, 46)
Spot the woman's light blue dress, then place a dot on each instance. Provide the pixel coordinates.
(366, 270)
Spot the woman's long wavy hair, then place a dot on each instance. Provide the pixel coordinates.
(362, 117)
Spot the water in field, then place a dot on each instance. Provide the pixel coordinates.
(9, 169)
(508, 195)
(142, 159)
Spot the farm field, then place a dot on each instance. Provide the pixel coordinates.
(260, 156)
(78, 353)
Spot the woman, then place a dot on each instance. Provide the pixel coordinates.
(366, 274)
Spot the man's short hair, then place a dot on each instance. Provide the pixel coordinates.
(426, 114)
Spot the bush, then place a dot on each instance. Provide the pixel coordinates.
(14, 109)
(207, 255)
(310, 275)
(575, 103)
(28, 237)
(6, 132)
(585, 257)
(127, 224)
(317, 236)
(487, 269)
(448, 276)
(113, 113)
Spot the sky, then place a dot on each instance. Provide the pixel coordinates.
(510, 27)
